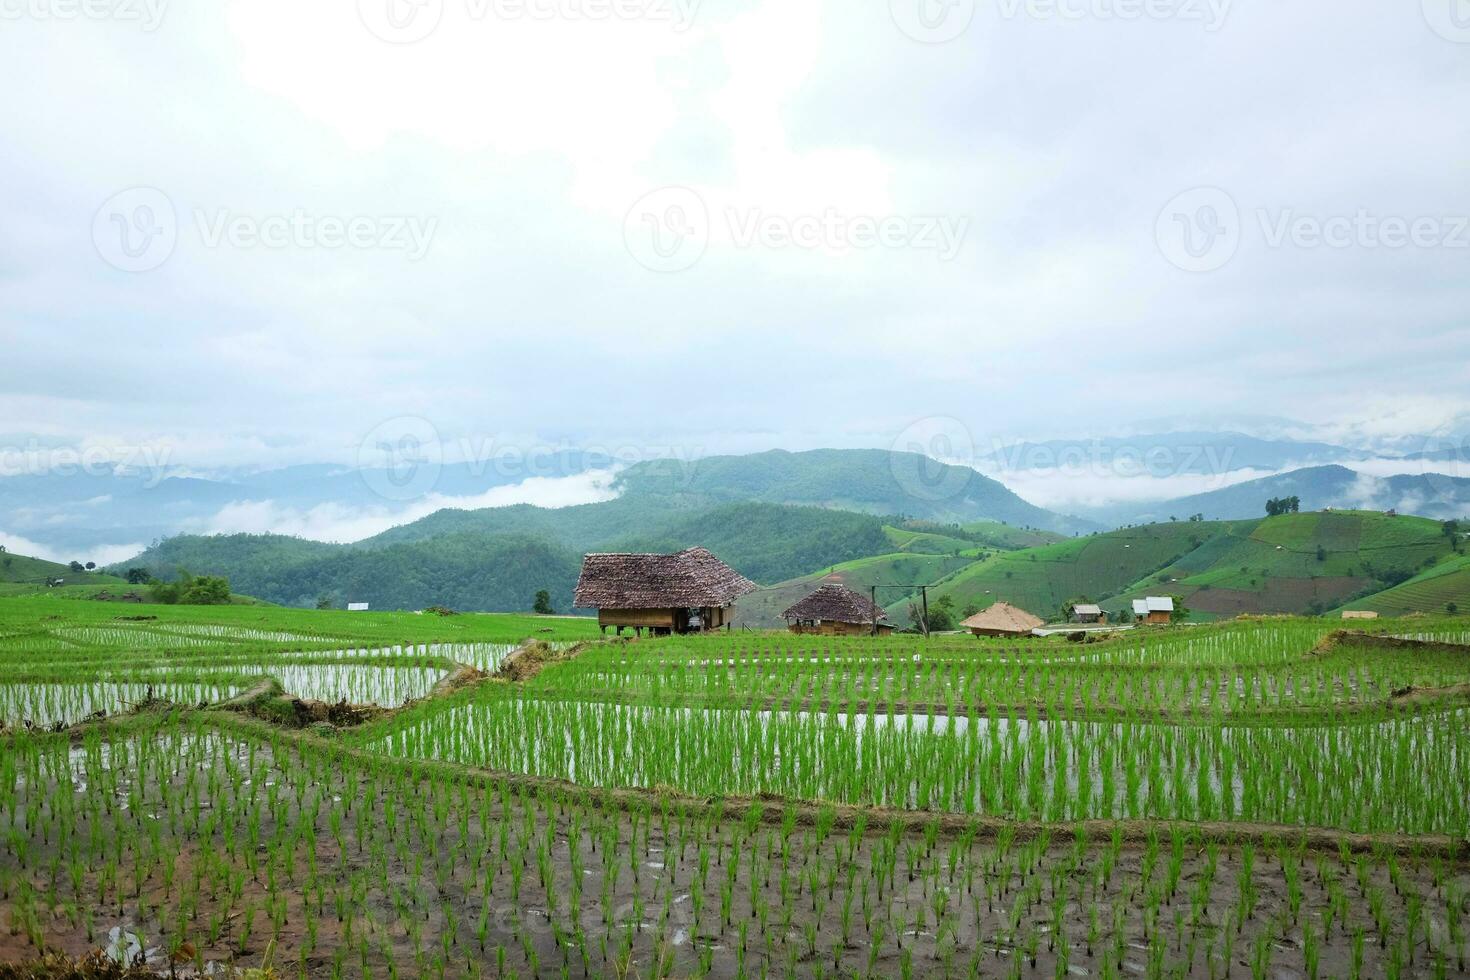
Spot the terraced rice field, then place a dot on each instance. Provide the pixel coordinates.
(1258, 799)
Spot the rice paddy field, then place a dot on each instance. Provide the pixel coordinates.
(511, 796)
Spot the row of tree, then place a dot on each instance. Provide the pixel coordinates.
(1277, 506)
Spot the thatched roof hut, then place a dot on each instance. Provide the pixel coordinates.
(688, 591)
(1002, 619)
(836, 609)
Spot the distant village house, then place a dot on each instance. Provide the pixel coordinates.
(1002, 619)
(688, 592)
(1359, 614)
(835, 610)
(1086, 612)
(1154, 610)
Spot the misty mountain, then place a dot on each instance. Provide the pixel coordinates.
(1319, 487)
(1172, 454)
(869, 481)
(83, 507)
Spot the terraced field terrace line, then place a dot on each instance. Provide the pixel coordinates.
(705, 836)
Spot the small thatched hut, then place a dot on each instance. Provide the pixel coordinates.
(835, 610)
(1088, 612)
(1002, 619)
(687, 592)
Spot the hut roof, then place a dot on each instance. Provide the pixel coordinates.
(1003, 616)
(836, 604)
(1160, 603)
(1087, 609)
(1140, 607)
(690, 579)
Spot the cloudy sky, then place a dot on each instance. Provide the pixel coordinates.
(258, 231)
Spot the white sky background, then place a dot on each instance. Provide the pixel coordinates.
(1055, 141)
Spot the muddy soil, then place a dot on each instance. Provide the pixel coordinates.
(419, 878)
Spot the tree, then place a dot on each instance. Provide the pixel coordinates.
(76, 566)
(91, 565)
(206, 590)
(1181, 612)
(1277, 506)
(1451, 608)
(139, 576)
(542, 605)
(1321, 553)
(941, 615)
(324, 601)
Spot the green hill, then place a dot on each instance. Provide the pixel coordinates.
(501, 572)
(869, 481)
(1298, 563)
(1442, 588)
(767, 542)
(1041, 579)
(23, 575)
(461, 571)
(897, 573)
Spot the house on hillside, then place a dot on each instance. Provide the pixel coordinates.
(1002, 619)
(1086, 612)
(688, 592)
(1359, 614)
(835, 610)
(1154, 610)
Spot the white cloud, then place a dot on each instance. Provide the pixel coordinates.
(341, 523)
(1087, 487)
(104, 554)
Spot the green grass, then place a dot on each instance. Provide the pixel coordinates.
(1295, 563)
(762, 610)
(1431, 592)
(1041, 579)
(331, 626)
(21, 570)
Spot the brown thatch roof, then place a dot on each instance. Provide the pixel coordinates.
(836, 604)
(691, 579)
(1004, 617)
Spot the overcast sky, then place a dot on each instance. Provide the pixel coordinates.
(260, 230)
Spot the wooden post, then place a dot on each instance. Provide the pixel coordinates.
(924, 593)
(873, 598)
